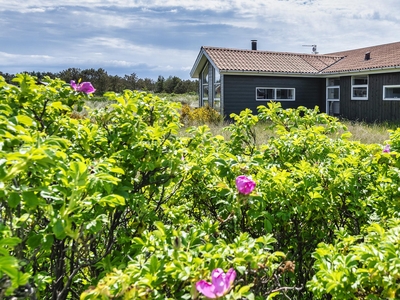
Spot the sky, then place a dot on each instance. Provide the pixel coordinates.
(163, 37)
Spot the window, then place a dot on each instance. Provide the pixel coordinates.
(333, 96)
(333, 81)
(217, 90)
(391, 92)
(204, 86)
(333, 93)
(333, 88)
(278, 94)
(359, 87)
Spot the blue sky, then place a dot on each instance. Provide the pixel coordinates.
(163, 37)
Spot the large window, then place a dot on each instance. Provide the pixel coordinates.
(391, 92)
(275, 94)
(204, 86)
(359, 87)
(217, 90)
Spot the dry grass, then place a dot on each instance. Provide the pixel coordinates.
(190, 99)
(369, 133)
(363, 132)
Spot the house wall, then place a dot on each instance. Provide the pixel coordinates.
(239, 92)
(375, 108)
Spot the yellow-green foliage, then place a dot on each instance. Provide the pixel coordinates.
(202, 115)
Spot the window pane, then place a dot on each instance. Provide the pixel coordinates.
(392, 92)
(261, 93)
(217, 90)
(360, 80)
(267, 94)
(284, 94)
(217, 77)
(333, 93)
(205, 74)
(360, 92)
(270, 94)
(333, 81)
(205, 92)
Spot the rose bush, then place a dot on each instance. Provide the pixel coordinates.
(124, 204)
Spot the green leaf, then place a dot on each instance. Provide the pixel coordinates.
(30, 199)
(267, 226)
(154, 264)
(10, 241)
(14, 199)
(272, 295)
(34, 240)
(112, 200)
(59, 229)
(9, 265)
(25, 120)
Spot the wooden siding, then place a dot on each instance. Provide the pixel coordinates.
(239, 92)
(375, 108)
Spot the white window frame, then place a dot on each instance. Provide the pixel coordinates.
(332, 103)
(384, 93)
(205, 85)
(353, 86)
(275, 93)
(332, 88)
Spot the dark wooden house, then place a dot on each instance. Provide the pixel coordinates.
(360, 84)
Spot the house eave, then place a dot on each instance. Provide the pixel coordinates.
(201, 60)
(263, 73)
(390, 69)
(317, 74)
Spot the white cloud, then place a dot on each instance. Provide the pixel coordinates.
(166, 35)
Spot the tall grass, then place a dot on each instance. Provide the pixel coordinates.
(375, 133)
(366, 133)
(362, 132)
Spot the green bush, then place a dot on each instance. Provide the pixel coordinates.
(366, 266)
(116, 203)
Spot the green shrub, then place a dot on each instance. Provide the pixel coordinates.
(365, 266)
(116, 203)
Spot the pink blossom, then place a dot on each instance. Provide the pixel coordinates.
(386, 149)
(85, 87)
(245, 185)
(220, 285)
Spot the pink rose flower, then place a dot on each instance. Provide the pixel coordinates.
(245, 185)
(220, 285)
(386, 149)
(85, 87)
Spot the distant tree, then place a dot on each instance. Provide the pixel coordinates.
(145, 84)
(99, 78)
(104, 82)
(180, 88)
(131, 81)
(159, 86)
(170, 84)
(192, 86)
(7, 77)
(117, 84)
(70, 74)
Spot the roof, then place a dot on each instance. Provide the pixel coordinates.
(254, 61)
(381, 57)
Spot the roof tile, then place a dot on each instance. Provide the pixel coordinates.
(265, 61)
(232, 60)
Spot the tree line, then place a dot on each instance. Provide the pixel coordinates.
(103, 82)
